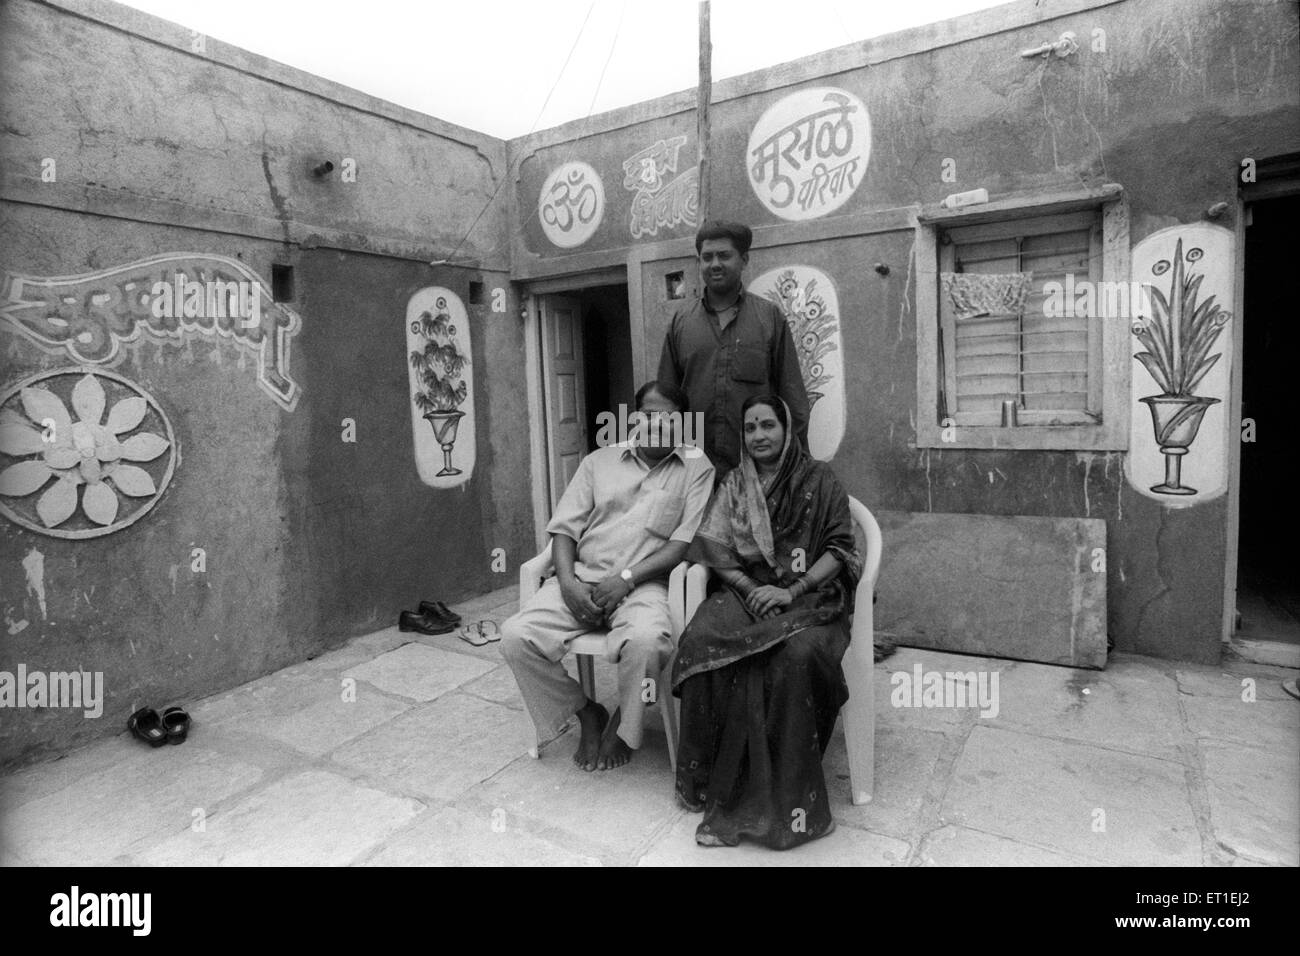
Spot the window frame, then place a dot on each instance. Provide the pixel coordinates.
(1106, 426)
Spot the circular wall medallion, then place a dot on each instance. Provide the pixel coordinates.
(808, 152)
(571, 204)
(84, 452)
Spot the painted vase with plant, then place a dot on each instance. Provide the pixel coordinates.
(440, 366)
(1178, 338)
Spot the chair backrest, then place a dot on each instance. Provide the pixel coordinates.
(865, 520)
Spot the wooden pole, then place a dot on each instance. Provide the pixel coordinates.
(702, 97)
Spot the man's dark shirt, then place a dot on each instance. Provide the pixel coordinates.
(720, 364)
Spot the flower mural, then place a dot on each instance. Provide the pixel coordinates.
(439, 366)
(807, 298)
(814, 327)
(82, 472)
(1178, 339)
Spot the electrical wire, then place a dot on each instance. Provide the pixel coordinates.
(546, 102)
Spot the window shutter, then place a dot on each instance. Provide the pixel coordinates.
(995, 352)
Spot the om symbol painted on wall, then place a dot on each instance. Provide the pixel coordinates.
(571, 204)
(808, 152)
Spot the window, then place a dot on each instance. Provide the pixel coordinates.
(1019, 344)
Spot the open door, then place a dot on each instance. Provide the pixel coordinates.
(566, 414)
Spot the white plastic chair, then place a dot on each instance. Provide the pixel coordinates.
(859, 660)
(586, 646)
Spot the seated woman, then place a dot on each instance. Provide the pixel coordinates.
(758, 667)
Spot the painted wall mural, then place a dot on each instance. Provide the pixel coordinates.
(571, 204)
(442, 387)
(659, 202)
(811, 306)
(1182, 357)
(166, 298)
(84, 452)
(808, 152)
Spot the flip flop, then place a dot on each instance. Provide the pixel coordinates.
(496, 631)
(472, 636)
(177, 724)
(146, 725)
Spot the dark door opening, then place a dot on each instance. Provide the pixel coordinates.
(586, 369)
(607, 353)
(1268, 572)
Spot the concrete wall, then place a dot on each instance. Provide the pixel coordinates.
(307, 539)
(1181, 94)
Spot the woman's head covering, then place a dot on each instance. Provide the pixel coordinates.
(738, 516)
(802, 506)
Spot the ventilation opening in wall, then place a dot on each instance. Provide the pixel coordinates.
(282, 283)
(476, 293)
(675, 285)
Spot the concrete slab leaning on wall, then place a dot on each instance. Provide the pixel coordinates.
(1016, 587)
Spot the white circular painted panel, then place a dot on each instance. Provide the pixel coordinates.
(807, 299)
(808, 152)
(571, 204)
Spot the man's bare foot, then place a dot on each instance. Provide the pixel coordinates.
(613, 751)
(593, 718)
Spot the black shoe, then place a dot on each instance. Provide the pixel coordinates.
(147, 726)
(410, 621)
(177, 724)
(437, 611)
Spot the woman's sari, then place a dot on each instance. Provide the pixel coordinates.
(760, 697)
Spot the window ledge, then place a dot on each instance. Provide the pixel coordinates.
(1023, 204)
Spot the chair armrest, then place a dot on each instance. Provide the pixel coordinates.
(677, 598)
(531, 573)
(697, 585)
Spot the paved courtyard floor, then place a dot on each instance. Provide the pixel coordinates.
(1146, 763)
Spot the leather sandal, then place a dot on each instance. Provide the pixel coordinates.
(146, 725)
(177, 724)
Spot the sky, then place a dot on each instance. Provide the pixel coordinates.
(507, 67)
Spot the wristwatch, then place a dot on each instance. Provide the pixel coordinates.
(626, 575)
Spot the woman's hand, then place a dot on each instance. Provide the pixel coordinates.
(768, 601)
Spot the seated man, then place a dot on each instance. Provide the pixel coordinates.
(622, 525)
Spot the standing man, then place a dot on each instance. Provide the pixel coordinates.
(730, 345)
(621, 526)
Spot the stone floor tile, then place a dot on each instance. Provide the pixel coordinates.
(321, 726)
(312, 818)
(436, 751)
(1052, 794)
(95, 819)
(418, 672)
(454, 836)
(1273, 725)
(905, 764)
(1132, 705)
(1254, 800)
(611, 814)
(961, 846)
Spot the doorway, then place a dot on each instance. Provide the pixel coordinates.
(1268, 571)
(586, 360)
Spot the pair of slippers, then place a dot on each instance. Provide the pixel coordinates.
(172, 726)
